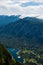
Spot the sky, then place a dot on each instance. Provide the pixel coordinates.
(32, 8)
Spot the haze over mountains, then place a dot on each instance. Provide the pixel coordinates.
(4, 20)
(23, 32)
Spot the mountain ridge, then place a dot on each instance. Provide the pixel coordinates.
(4, 20)
(22, 32)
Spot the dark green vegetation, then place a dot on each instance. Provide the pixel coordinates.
(6, 58)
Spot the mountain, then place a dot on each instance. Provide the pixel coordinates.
(26, 35)
(6, 58)
(4, 20)
(26, 32)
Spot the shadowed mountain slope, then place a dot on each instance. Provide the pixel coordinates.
(24, 32)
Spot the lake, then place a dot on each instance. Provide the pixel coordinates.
(16, 57)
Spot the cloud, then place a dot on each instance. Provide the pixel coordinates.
(31, 4)
(22, 7)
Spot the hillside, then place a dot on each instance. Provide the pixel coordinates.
(6, 58)
(25, 32)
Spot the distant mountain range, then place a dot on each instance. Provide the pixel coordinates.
(24, 32)
(4, 20)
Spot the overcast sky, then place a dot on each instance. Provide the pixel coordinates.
(22, 7)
